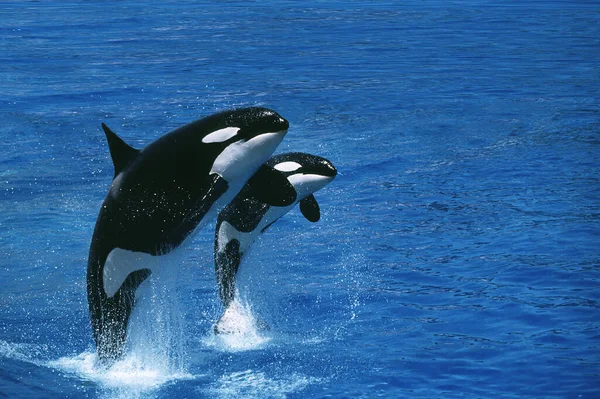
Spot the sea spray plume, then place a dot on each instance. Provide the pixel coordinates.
(247, 217)
(162, 194)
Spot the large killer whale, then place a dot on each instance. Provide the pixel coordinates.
(241, 222)
(163, 193)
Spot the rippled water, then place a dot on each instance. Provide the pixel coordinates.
(457, 254)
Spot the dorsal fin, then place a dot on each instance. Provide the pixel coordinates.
(121, 152)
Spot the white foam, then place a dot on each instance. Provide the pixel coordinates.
(131, 377)
(243, 331)
(256, 384)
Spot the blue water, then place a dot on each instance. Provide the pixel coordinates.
(458, 252)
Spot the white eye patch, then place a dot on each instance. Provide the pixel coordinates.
(218, 136)
(287, 166)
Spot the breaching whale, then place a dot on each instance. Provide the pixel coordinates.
(247, 217)
(161, 194)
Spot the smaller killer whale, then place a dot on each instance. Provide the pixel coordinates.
(163, 193)
(247, 217)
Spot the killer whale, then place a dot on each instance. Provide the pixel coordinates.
(241, 222)
(163, 193)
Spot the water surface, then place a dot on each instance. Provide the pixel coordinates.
(457, 254)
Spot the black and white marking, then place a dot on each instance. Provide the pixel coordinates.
(163, 193)
(247, 217)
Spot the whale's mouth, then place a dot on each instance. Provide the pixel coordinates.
(282, 132)
(306, 184)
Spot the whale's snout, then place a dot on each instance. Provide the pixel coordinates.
(327, 169)
(269, 121)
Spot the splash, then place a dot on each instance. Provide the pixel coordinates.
(256, 384)
(131, 376)
(23, 352)
(239, 329)
(155, 352)
(156, 334)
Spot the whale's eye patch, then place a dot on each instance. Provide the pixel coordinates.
(287, 166)
(218, 136)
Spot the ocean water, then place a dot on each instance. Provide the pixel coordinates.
(458, 252)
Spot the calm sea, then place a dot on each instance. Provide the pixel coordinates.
(458, 252)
